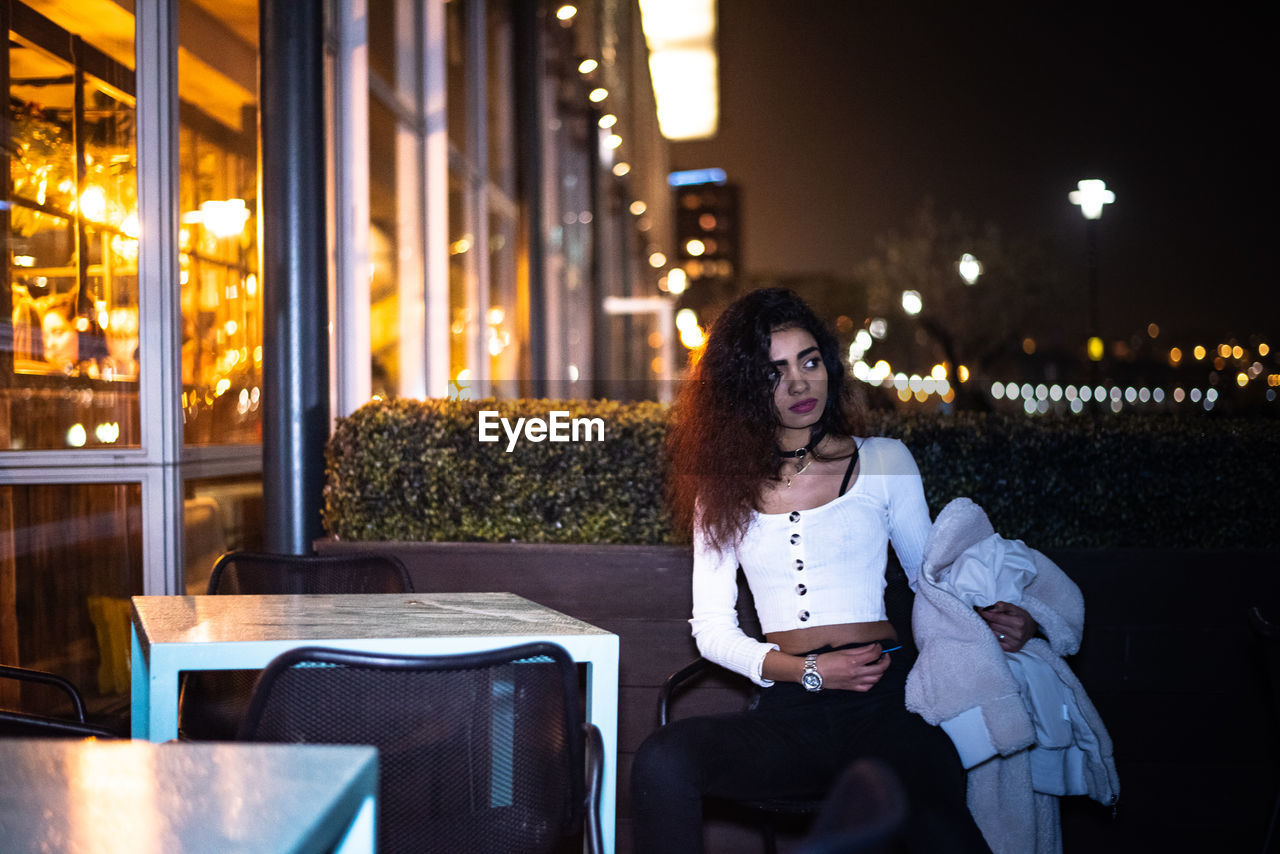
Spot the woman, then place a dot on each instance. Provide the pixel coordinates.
(769, 471)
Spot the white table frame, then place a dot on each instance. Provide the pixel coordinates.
(170, 634)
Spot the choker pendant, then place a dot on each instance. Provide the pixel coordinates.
(803, 456)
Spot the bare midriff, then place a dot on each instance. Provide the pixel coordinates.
(801, 641)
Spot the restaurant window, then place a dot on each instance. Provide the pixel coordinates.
(396, 125)
(570, 227)
(69, 221)
(503, 318)
(69, 321)
(487, 297)
(219, 278)
(82, 628)
(80, 532)
(220, 514)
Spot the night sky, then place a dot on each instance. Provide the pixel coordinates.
(839, 118)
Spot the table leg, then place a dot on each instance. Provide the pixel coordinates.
(139, 693)
(162, 691)
(602, 710)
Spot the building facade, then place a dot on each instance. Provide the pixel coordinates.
(495, 173)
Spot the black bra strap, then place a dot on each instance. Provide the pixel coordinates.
(848, 473)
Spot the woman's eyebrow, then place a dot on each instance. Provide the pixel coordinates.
(805, 352)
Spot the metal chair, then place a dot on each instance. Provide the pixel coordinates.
(212, 702)
(245, 572)
(480, 752)
(15, 723)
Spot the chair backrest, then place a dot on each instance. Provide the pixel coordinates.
(246, 572)
(478, 752)
(22, 725)
(17, 723)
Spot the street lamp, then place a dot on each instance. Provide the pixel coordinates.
(970, 268)
(1092, 194)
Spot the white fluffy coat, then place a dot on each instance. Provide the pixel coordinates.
(963, 682)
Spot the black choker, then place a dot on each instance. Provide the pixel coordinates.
(800, 453)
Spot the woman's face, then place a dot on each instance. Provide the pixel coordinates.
(800, 390)
(61, 341)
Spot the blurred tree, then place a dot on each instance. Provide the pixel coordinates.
(1019, 295)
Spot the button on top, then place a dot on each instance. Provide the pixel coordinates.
(804, 616)
(795, 538)
(795, 516)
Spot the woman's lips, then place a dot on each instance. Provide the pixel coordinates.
(804, 406)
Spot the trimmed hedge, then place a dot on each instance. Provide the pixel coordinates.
(415, 470)
(1143, 481)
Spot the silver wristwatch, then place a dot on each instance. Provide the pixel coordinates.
(812, 679)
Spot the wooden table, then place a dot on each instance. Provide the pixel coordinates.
(133, 797)
(175, 633)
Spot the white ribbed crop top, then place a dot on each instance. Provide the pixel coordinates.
(817, 567)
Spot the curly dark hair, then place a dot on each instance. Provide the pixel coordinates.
(721, 448)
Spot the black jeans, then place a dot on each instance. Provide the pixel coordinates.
(794, 744)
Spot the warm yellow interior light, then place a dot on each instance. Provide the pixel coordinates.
(684, 81)
(691, 334)
(224, 218)
(677, 280)
(93, 204)
(680, 35)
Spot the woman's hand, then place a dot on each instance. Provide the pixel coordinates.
(1011, 625)
(857, 669)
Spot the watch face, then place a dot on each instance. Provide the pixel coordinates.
(811, 681)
